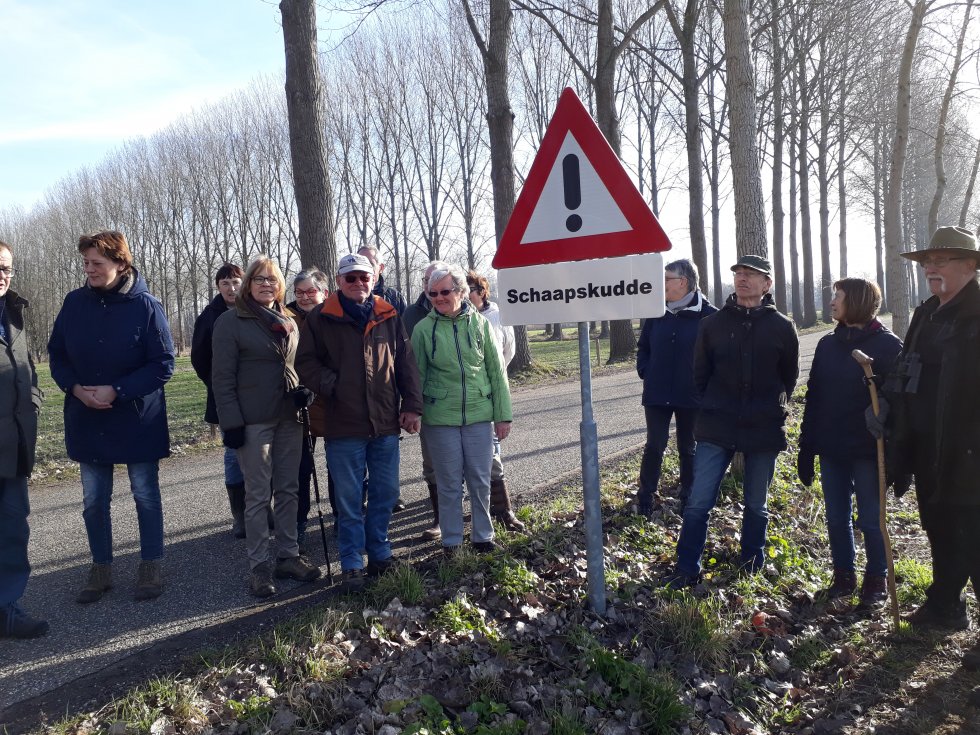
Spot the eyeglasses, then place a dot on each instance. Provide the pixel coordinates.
(308, 293)
(478, 289)
(673, 278)
(937, 262)
(8, 272)
(263, 280)
(445, 292)
(354, 278)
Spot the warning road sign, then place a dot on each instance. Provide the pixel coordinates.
(578, 202)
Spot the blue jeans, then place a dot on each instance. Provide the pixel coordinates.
(233, 471)
(97, 496)
(842, 478)
(14, 533)
(359, 531)
(710, 464)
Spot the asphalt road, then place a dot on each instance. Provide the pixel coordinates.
(205, 568)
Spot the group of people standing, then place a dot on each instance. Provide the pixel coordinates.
(726, 376)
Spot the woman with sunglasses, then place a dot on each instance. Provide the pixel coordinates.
(257, 394)
(311, 288)
(466, 401)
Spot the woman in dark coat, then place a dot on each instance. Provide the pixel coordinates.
(311, 289)
(228, 279)
(111, 353)
(834, 429)
(665, 362)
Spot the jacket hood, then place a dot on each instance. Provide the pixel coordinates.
(768, 304)
(15, 299)
(423, 302)
(464, 313)
(490, 308)
(857, 335)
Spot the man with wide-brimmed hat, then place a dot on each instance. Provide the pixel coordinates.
(746, 361)
(933, 430)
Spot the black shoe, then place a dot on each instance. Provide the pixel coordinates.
(678, 580)
(874, 592)
(485, 547)
(844, 584)
(399, 505)
(971, 659)
(377, 568)
(450, 551)
(928, 616)
(15, 623)
(353, 581)
(298, 568)
(260, 582)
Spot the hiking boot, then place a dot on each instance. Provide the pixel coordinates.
(930, 616)
(874, 591)
(450, 551)
(352, 582)
(99, 582)
(844, 584)
(236, 501)
(971, 659)
(296, 567)
(15, 623)
(678, 580)
(260, 581)
(377, 568)
(433, 532)
(149, 580)
(485, 547)
(500, 508)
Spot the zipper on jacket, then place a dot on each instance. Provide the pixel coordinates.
(462, 371)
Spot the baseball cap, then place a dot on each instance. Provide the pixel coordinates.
(755, 262)
(352, 263)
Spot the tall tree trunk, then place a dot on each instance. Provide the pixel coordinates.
(823, 184)
(622, 339)
(898, 289)
(495, 51)
(806, 234)
(841, 193)
(937, 198)
(304, 106)
(794, 261)
(968, 197)
(879, 234)
(778, 263)
(750, 218)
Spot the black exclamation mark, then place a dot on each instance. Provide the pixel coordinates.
(573, 190)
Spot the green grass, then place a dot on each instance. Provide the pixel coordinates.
(914, 579)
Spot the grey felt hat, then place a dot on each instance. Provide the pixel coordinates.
(755, 262)
(949, 241)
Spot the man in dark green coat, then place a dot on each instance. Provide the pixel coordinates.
(20, 402)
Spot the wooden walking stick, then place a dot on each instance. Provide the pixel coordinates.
(865, 362)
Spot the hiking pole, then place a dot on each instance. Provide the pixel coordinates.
(865, 362)
(308, 438)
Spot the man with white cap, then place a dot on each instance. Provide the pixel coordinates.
(355, 355)
(933, 427)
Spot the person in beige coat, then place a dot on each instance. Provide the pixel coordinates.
(257, 394)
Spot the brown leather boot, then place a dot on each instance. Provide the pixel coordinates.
(845, 581)
(874, 591)
(433, 532)
(500, 506)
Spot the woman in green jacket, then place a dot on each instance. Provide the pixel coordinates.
(465, 400)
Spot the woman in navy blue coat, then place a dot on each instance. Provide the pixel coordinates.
(665, 362)
(834, 429)
(111, 353)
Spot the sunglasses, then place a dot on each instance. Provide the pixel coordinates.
(445, 292)
(352, 278)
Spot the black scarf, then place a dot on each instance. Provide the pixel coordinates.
(274, 320)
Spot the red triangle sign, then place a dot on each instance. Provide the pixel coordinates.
(578, 202)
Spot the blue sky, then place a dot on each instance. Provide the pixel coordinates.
(78, 78)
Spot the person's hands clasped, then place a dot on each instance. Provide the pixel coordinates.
(99, 397)
(410, 422)
(502, 429)
(234, 438)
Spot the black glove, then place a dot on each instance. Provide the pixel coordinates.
(302, 397)
(804, 466)
(876, 424)
(234, 438)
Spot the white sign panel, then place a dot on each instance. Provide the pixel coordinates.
(628, 287)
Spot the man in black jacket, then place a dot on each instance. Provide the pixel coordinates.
(20, 402)
(228, 279)
(746, 361)
(934, 429)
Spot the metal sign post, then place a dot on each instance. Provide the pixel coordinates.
(589, 437)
